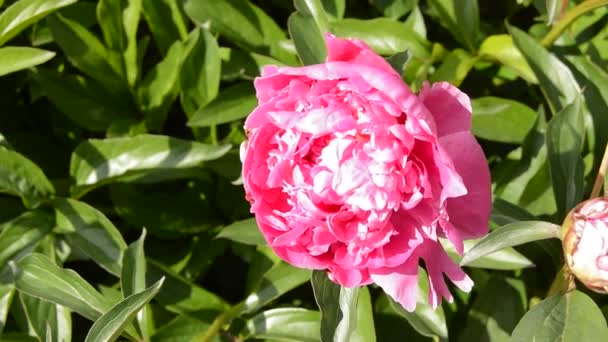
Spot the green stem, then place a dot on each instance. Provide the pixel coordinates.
(601, 174)
(563, 282)
(569, 18)
(221, 320)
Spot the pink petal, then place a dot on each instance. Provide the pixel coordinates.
(354, 51)
(401, 282)
(469, 213)
(450, 107)
(438, 263)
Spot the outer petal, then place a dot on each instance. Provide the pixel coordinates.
(450, 107)
(469, 213)
(401, 282)
(354, 51)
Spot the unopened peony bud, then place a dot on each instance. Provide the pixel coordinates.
(585, 243)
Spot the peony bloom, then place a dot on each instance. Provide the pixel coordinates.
(585, 243)
(347, 170)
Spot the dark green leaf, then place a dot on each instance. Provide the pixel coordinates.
(182, 328)
(276, 282)
(18, 58)
(200, 73)
(87, 229)
(500, 48)
(86, 52)
(166, 22)
(394, 9)
(23, 13)
(21, 177)
(23, 232)
(455, 67)
(37, 276)
(308, 39)
(239, 64)
(109, 326)
(565, 138)
(510, 235)
(424, 319)
(502, 120)
(570, 317)
(334, 8)
(399, 61)
(385, 36)
(234, 103)
(245, 231)
(291, 324)
(461, 18)
(98, 162)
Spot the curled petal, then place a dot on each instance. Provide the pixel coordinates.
(401, 282)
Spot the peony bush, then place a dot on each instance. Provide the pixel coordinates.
(315, 170)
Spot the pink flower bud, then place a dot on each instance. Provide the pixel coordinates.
(585, 243)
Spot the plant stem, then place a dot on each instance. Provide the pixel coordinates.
(601, 174)
(220, 321)
(569, 18)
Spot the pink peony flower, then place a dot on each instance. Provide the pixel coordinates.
(347, 170)
(585, 243)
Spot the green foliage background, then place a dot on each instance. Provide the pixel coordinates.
(122, 212)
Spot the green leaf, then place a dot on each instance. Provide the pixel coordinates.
(338, 307)
(23, 232)
(455, 67)
(334, 8)
(133, 278)
(553, 9)
(513, 234)
(424, 319)
(182, 328)
(109, 326)
(384, 36)
(37, 276)
(416, 21)
(555, 79)
(82, 100)
(18, 337)
(314, 9)
(50, 322)
(98, 162)
(365, 330)
(394, 9)
(308, 39)
(130, 19)
(7, 291)
(23, 13)
(16, 58)
(502, 120)
(399, 61)
(291, 324)
(245, 231)
(500, 48)
(461, 18)
(234, 103)
(200, 73)
(21, 177)
(239, 64)
(279, 280)
(495, 312)
(504, 259)
(166, 21)
(87, 229)
(570, 317)
(565, 138)
(86, 52)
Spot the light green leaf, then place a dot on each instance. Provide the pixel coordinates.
(200, 73)
(245, 231)
(510, 235)
(308, 39)
(133, 279)
(553, 9)
(86, 53)
(424, 319)
(98, 162)
(314, 9)
(570, 317)
(416, 21)
(87, 229)
(365, 330)
(504, 259)
(383, 35)
(277, 281)
(334, 8)
(500, 48)
(50, 322)
(291, 324)
(37, 276)
(109, 326)
(565, 138)
(23, 13)
(502, 120)
(461, 18)
(82, 100)
(234, 103)
(7, 291)
(21, 177)
(15, 58)
(455, 67)
(555, 79)
(182, 328)
(130, 21)
(166, 21)
(23, 232)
